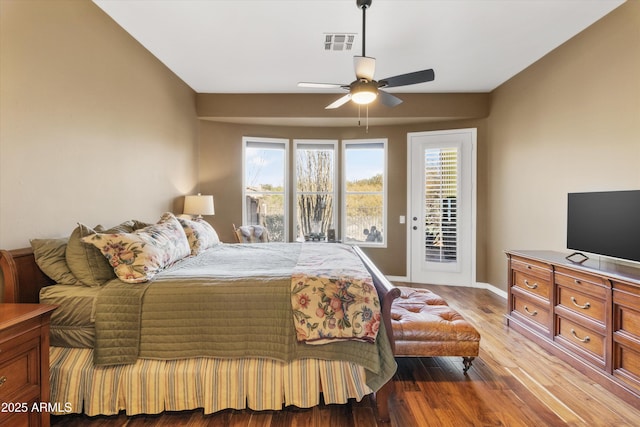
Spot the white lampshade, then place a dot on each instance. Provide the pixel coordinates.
(198, 205)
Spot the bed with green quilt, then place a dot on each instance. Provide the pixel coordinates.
(258, 326)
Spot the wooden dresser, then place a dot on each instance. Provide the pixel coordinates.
(24, 364)
(587, 314)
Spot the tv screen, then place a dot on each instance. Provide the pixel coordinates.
(605, 223)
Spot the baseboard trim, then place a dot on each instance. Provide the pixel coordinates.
(480, 285)
(492, 288)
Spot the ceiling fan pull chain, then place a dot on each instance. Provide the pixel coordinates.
(367, 127)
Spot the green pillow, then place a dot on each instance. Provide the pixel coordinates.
(50, 257)
(86, 261)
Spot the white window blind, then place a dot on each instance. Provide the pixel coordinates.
(441, 205)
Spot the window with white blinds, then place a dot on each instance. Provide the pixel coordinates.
(441, 205)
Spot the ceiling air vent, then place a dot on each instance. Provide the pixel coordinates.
(338, 42)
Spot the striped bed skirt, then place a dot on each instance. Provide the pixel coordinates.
(153, 386)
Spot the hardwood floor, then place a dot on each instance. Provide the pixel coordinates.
(513, 383)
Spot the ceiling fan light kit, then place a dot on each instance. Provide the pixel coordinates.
(364, 90)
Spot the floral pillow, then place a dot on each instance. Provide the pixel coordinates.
(200, 233)
(137, 257)
(85, 261)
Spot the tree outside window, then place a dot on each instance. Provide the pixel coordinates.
(315, 188)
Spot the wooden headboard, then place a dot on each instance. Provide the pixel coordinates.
(22, 277)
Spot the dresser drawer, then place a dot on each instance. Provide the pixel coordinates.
(531, 267)
(565, 276)
(533, 312)
(591, 342)
(626, 313)
(20, 369)
(582, 303)
(626, 363)
(532, 284)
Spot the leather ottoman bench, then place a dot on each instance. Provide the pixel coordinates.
(425, 326)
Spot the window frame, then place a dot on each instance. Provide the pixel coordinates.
(277, 143)
(344, 193)
(333, 144)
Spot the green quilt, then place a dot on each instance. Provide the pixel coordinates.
(231, 301)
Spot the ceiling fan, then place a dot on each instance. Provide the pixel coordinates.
(365, 89)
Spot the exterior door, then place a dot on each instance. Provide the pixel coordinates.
(442, 207)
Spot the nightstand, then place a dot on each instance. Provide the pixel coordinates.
(24, 364)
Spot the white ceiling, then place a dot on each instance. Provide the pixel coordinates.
(260, 46)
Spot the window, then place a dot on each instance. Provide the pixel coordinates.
(315, 188)
(364, 192)
(264, 200)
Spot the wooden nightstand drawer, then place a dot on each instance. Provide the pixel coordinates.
(20, 370)
(18, 419)
(582, 303)
(24, 363)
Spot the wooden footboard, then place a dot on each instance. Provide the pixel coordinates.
(23, 280)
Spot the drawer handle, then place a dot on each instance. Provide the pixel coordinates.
(3, 380)
(586, 306)
(577, 282)
(534, 286)
(584, 340)
(530, 313)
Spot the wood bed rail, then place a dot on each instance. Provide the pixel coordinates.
(387, 293)
(22, 278)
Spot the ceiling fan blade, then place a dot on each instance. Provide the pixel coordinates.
(339, 102)
(365, 67)
(388, 99)
(321, 85)
(408, 79)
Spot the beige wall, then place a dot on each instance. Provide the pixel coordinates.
(570, 122)
(93, 127)
(221, 164)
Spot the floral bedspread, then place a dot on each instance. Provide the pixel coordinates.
(333, 296)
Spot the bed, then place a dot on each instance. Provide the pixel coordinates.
(226, 326)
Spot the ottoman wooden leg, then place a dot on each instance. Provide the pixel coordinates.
(466, 361)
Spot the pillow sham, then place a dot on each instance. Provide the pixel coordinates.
(50, 257)
(87, 262)
(137, 257)
(200, 234)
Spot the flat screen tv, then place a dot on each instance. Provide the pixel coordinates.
(605, 223)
